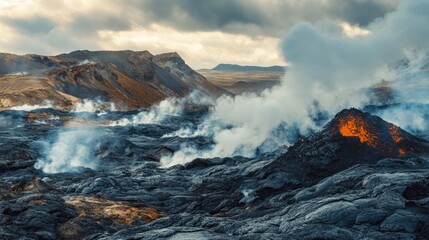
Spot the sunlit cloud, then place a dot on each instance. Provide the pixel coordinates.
(200, 49)
(353, 31)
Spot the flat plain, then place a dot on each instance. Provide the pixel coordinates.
(241, 82)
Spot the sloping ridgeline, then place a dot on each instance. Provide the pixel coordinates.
(129, 79)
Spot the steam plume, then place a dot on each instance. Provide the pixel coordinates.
(71, 150)
(93, 106)
(168, 107)
(74, 148)
(329, 70)
(155, 115)
(27, 108)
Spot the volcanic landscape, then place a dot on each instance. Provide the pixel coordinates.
(87, 137)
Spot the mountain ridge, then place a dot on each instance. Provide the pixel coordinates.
(131, 79)
(244, 68)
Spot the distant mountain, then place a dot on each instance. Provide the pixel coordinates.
(127, 78)
(239, 68)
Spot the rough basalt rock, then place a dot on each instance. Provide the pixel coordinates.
(272, 196)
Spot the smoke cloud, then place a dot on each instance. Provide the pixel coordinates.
(413, 118)
(157, 114)
(93, 106)
(329, 70)
(71, 150)
(74, 148)
(168, 107)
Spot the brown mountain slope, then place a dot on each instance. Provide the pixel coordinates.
(166, 72)
(173, 64)
(28, 90)
(129, 79)
(104, 81)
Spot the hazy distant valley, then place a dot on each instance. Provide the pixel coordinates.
(239, 80)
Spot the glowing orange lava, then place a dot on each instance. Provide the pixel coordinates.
(401, 151)
(352, 126)
(394, 132)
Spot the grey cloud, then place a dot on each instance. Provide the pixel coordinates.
(253, 17)
(91, 23)
(359, 12)
(32, 25)
(55, 42)
(203, 15)
(53, 26)
(250, 17)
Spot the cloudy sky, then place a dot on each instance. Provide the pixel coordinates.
(203, 32)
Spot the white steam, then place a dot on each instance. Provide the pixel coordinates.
(75, 148)
(84, 62)
(328, 70)
(164, 109)
(27, 108)
(156, 114)
(412, 79)
(411, 88)
(410, 118)
(93, 106)
(17, 74)
(71, 150)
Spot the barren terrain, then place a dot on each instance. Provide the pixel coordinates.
(241, 82)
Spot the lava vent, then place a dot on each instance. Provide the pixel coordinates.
(379, 135)
(352, 137)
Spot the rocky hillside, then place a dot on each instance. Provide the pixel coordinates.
(129, 79)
